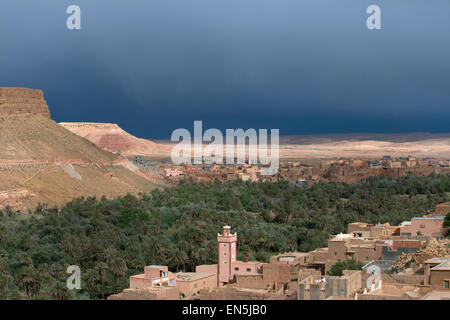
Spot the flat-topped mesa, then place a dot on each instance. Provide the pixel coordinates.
(112, 138)
(90, 125)
(22, 101)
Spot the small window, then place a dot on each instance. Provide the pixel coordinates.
(225, 262)
(248, 269)
(422, 225)
(224, 253)
(446, 284)
(236, 269)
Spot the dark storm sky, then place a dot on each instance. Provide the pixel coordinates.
(304, 66)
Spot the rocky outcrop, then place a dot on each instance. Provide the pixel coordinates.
(112, 138)
(15, 197)
(21, 101)
(442, 209)
(435, 248)
(41, 162)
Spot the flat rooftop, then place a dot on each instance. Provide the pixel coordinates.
(294, 254)
(192, 276)
(429, 218)
(437, 295)
(155, 266)
(443, 266)
(437, 260)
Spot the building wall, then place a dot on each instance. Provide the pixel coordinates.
(437, 278)
(311, 292)
(406, 244)
(377, 232)
(236, 294)
(354, 282)
(276, 275)
(160, 293)
(253, 281)
(358, 227)
(344, 286)
(293, 257)
(364, 254)
(192, 287)
(305, 273)
(320, 255)
(337, 250)
(427, 227)
(206, 268)
(241, 267)
(137, 282)
(391, 255)
(153, 272)
(152, 276)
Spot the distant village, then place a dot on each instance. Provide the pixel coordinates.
(345, 170)
(410, 261)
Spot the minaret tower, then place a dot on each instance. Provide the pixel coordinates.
(227, 255)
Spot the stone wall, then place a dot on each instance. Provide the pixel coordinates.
(237, 294)
(415, 279)
(21, 101)
(251, 281)
(155, 293)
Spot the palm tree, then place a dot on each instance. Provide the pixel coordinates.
(60, 292)
(176, 258)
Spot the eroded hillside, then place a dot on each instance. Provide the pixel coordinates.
(41, 162)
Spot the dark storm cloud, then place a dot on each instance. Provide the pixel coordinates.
(304, 66)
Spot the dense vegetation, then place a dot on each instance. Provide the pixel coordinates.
(338, 268)
(113, 239)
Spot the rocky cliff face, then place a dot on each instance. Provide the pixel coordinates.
(21, 101)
